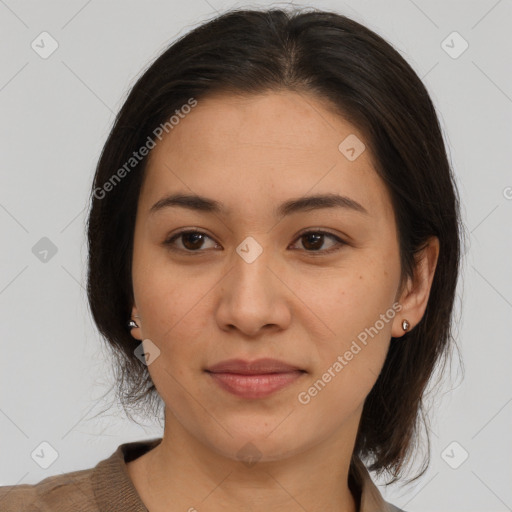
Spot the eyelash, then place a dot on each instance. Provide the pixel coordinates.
(170, 241)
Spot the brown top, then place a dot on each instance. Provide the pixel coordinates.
(108, 488)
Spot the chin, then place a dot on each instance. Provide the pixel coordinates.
(252, 443)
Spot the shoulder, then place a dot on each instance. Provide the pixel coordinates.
(371, 500)
(107, 486)
(58, 493)
(392, 508)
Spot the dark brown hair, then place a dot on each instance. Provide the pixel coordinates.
(364, 79)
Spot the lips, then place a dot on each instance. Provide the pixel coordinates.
(258, 367)
(254, 379)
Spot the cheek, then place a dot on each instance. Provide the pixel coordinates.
(175, 319)
(358, 307)
(354, 298)
(170, 298)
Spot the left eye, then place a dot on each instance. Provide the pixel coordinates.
(192, 241)
(315, 239)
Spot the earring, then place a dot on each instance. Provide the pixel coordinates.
(405, 325)
(132, 324)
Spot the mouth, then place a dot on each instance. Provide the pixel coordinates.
(256, 379)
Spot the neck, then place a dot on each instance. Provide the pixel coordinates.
(183, 474)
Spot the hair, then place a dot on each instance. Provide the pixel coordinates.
(366, 81)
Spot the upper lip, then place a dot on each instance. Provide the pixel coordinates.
(256, 367)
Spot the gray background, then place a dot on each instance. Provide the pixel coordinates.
(56, 114)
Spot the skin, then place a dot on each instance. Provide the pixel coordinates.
(292, 303)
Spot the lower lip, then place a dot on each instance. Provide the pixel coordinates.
(255, 386)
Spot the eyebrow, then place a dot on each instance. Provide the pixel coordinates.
(306, 203)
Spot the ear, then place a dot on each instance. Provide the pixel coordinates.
(416, 291)
(136, 332)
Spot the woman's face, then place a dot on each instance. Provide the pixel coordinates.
(314, 286)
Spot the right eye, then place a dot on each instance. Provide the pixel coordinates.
(191, 241)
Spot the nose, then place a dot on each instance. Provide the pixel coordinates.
(252, 298)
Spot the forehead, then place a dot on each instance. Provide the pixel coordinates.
(273, 146)
(288, 120)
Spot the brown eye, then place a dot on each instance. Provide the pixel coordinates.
(312, 241)
(191, 241)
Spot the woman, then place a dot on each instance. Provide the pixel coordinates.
(273, 255)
